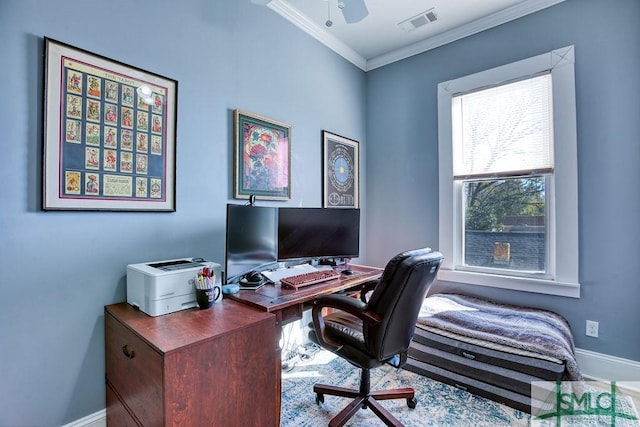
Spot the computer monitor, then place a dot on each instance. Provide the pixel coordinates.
(316, 233)
(251, 243)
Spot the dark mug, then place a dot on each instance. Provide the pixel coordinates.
(206, 297)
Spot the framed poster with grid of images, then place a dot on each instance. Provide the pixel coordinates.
(109, 134)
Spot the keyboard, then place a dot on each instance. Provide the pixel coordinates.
(276, 276)
(307, 279)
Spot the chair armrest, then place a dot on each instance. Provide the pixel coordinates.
(349, 305)
(366, 288)
(343, 303)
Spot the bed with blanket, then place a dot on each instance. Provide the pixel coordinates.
(490, 349)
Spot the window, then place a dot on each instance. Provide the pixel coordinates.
(508, 176)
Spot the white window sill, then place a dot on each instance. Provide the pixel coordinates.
(524, 284)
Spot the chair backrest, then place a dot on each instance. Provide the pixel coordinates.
(398, 298)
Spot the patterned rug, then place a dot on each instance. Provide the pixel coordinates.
(438, 404)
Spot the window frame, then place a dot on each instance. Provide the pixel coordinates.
(562, 228)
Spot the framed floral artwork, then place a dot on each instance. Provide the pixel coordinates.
(340, 171)
(262, 157)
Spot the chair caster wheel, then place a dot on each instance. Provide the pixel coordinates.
(412, 402)
(319, 398)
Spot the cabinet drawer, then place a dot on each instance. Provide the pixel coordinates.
(117, 414)
(134, 370)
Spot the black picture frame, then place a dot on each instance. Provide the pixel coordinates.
(340, 171)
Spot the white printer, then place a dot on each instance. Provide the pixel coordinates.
(163, 287)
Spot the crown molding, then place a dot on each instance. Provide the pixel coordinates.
(323, 36)
(318, 32)
(514, 12)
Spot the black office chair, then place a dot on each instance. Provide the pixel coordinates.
(370, 334)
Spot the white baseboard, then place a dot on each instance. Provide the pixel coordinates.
(594, 366)
(97, 419)
(598, 366)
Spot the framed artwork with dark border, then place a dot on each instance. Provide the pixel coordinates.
(109, 134)
(262, 157)
(340, 171)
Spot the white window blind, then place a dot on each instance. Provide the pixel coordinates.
(504, 130)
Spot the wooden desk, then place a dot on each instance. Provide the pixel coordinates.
(288, 304)
(219, 366)
(214, 367)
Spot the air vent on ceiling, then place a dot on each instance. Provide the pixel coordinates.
(419, 20)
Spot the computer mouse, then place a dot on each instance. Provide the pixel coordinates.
(346, 272)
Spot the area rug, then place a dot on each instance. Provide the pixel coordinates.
(438, 404)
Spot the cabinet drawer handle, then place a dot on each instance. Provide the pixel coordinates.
(127, 352)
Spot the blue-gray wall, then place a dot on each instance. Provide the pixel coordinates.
(402, 156)
(60, 268)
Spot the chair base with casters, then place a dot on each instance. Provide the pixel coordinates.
(369, 334)
(365, 398)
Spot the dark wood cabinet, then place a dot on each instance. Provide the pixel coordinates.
(218, 366)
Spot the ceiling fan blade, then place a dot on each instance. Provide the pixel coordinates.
(354, 11)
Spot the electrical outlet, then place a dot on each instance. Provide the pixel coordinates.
(592, 329)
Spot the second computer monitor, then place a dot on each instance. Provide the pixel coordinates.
(315, 233)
